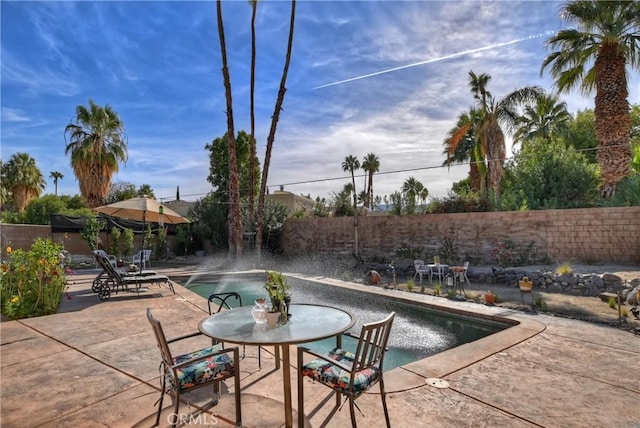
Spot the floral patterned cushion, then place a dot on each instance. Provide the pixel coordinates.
(216, 367)
(337, 378)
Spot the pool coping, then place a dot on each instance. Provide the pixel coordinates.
(446, 363)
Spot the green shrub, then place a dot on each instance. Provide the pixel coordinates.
(448, 250)
(407, 251)
(540, 303)
(411, 284)
(33, 281)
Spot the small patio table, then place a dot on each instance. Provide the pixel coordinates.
(307, 323)
(458, 278)
(438, 269)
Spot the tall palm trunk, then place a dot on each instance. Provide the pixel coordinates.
(252, 142)
(370, 190)
(355, 215)
(234, 217)
(496, 152)
(613, 121)
(272, 133)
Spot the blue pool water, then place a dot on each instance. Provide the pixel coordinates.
(417, 332)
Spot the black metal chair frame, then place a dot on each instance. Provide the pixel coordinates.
(370, 351)
(170, 369)
(222, 298)
(111, 278)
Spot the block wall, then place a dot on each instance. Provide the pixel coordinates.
(587, 235)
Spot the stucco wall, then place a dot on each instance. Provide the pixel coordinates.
(23, 235)
(605, 235)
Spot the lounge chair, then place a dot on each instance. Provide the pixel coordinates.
(104, 276)
(116, 280)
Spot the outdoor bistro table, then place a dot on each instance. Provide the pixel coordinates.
(307, 323)
(437, 268)
(458, 278)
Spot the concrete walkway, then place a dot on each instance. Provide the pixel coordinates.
(96, 364)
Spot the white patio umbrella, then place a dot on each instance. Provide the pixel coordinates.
(142, 209)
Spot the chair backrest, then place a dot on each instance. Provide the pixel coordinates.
(372, 345)
(466, 265)
(418, 263)
(146, 255)
(222, 298)
(161, 339)
(104, 263)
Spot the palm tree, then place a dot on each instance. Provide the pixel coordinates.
(412, 190)
(492, 113)
(4, 188)
(543, 119)
(235, 213)
(252, 136)
(24, 179)
(371, 165)
(351, 163)
(146, 190)
(595, 56)
(56, 175)
(462, 144)
(272, 131)
(97, 144)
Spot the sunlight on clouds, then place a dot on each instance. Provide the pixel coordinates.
(14, 115)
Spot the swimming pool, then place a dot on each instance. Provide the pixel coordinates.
(417, 333)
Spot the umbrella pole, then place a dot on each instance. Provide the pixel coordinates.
(144, 232)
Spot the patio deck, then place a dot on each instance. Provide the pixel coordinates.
(96, 364)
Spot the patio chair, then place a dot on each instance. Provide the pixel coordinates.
(116, 280)
(346, 373)
(142, 257)
(421, 268)
(185, 372)
(463, 274)
(222, 299)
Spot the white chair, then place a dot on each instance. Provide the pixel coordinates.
(463, 274)
(421, 269)
(143, 256)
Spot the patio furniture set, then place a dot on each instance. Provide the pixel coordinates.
(111, 279)
(348, 373)
(454, 276)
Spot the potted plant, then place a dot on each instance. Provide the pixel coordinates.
(525, 284)
(490, 298)
(278, 289)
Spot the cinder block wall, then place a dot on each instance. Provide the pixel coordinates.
(590, 235)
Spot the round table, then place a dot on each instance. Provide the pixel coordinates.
(306, 323)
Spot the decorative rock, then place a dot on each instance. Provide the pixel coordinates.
(632, 297)
(597, 281)
(609, 277)
(606, 296)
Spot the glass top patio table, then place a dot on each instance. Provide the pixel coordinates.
(306, 323)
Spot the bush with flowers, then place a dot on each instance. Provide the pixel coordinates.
(32, 282)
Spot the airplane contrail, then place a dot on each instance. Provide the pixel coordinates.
(429, 61)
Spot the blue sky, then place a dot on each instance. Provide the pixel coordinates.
(388, 77)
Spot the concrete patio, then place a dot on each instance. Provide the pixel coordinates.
(96, 364)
